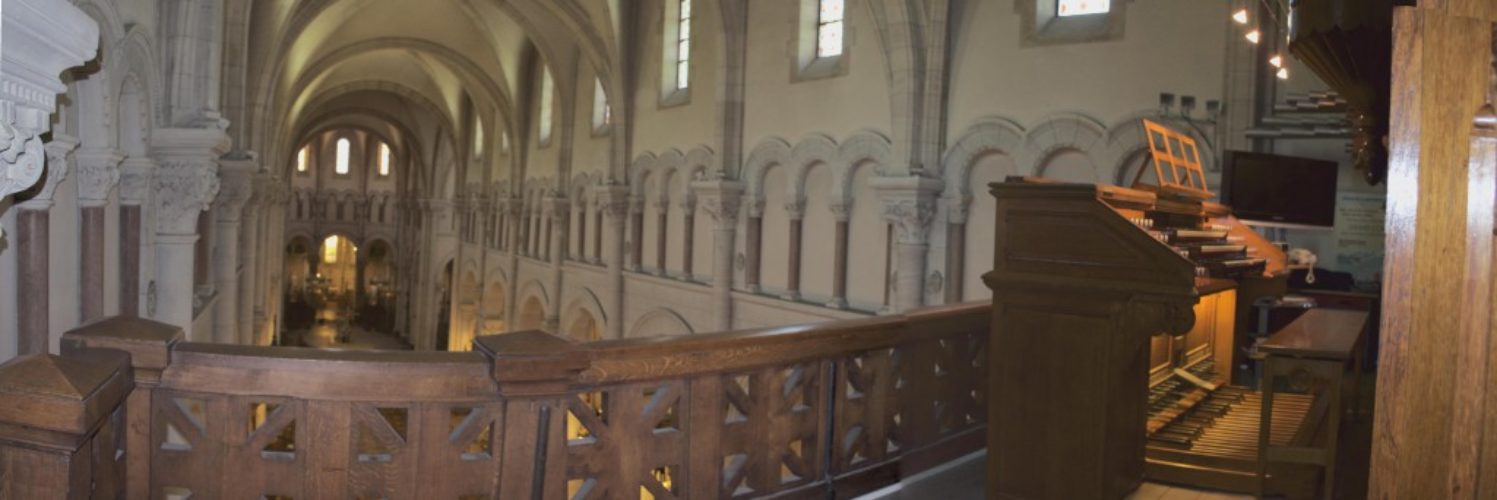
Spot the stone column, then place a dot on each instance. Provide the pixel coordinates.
(637, 230)
(185, 184)
(839, 257)
(796, 211)
(614, 203)
(688, 236)
(98, 172)
(753, 248)
(909, 204)
(956, 247)
(662, 226)
(135, 192)
(34, 252)
(720, 198)
(558, 209)
(252, 237)
(236, 181)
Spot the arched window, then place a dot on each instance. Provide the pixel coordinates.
(477, 137)
(602, 112)
(341, 164)
(301, 159)
(829, 28)
(330, 250)
(546, 91)
(675, 53)
(384, 159)
(1067, 8)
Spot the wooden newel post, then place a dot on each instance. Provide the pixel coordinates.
(1077, 292)
(149, 344)
(58, 425)
(535, 371)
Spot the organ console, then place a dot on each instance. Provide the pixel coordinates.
(1114, 321)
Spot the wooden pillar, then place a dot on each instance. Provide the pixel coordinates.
(1435, 428)
(59, 434)
(149, 344)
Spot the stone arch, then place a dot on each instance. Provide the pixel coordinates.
(1061, 134)
(639, 169)
(863, 147)
(584, 307)
(533, 305)
(660, 322)
(1126, 139)
(769, 152)
(810, 151)
(990, 136)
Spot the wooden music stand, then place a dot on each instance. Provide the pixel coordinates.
(1177, 164)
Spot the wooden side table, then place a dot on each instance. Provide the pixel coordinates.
(1312, 354)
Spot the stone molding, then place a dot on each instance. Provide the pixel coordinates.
(795, 209)
(614, 200)
(98, 173)
(135, 177)
(842, 211)
(41, 39)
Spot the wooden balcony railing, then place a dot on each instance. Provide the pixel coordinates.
(831, 410)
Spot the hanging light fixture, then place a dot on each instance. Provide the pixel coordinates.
(1253, 36)
(1277, 61)
(1283, 73)
(1241, 16)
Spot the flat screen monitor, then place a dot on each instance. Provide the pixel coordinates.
(1280, 190)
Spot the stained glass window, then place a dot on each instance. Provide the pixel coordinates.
(602, 112)
(1065, 8)
(301, 159)
(829, 28)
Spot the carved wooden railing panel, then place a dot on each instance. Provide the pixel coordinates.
(839, 408)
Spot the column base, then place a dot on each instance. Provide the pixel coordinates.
(837, 304)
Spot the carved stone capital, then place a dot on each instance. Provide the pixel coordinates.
(795, 209)
(842, 211)
(557, 209)
(41, 38)
(909, 203)
(720, 198)
(58, 152)
(236, 181)
(956, 208)
(135, 180)
(754, 206)
(98, 173)
(183, 190)
(613, 200)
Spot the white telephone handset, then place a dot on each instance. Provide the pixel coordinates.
(1303, 258)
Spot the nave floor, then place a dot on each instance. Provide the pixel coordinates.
(964, 480)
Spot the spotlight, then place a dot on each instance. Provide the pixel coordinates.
(1253, 36)
(1283, 73)
(1277, 61)
(1240, 16)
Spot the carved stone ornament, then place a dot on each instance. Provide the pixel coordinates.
(135, 180)
(911, 219)
(934, 282)
(795, 209)
(183, 191)
(842, 211)
(755, 207)
(98, 173)
(42, 38)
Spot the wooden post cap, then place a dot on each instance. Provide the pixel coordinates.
(531, 356)
(148, 342)
(56, 401)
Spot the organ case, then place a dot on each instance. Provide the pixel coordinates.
(1113, 343)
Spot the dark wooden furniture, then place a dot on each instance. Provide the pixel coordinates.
(1114, 311)
(811, 411)
(1309, 358)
